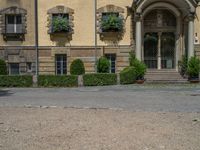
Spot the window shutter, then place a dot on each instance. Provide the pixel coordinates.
(24, 24)
(3, 23)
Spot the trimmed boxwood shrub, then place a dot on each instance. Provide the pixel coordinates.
(16, 81)
(103, 65)
(99, 79)
(3, 68)
(77, 67)
(128, 75)
(58, 81)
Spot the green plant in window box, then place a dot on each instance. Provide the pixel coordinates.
(60, 24)
(112, 23)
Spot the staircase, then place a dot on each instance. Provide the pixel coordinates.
(164, 76)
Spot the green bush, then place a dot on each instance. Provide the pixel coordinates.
(183, 64)
(99, 79)
(140, 67)
(103, 65)
(128, 76)
(3, 68)
(58, 81)
(193, 67)
(16, 81)
(77, 67)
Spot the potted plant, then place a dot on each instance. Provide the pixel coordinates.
(193, 69)
(140, 68)
(112, 23)
(60, 25)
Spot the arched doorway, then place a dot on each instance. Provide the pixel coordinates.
(159, 44)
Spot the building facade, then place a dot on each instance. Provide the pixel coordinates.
(160, 32)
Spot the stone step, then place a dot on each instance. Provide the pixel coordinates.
(164, 76)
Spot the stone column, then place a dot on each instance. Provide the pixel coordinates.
(159, 50)
(191, 36)
(138, 37)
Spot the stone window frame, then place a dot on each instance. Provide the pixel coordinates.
(13, 11)
(110, 36)
(60, 9)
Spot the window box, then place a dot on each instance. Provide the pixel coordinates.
(111, 22)
(60, 24)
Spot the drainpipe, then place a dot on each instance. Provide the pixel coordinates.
(95, 32)
(36, 42)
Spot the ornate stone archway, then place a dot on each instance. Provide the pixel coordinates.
(143, 7)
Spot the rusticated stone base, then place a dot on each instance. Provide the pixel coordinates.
(86, 54)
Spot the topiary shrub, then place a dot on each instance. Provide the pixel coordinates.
(99, 79)
(3, 68)
(103, 65)
(77, 67)
(128, 76)
(193, 67)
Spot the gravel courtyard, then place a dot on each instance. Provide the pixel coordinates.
(109, 118)
(90, 129)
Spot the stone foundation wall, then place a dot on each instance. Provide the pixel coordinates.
(197, 50)
(86, 54)
(21, 56)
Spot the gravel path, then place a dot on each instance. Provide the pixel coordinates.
(93, 129)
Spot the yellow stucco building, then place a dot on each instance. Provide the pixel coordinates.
(160, 32)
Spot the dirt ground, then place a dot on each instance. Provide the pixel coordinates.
(91, 129)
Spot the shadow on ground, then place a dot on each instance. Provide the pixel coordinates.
(5, 93)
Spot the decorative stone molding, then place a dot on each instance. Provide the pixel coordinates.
(110, 36)
(110, 8)
(60, 10)
(138, 17)
(13, 11)
(191, 17)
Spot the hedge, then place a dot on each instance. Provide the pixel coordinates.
(58, 81)
(99, 79)
(128, 76)
(16, 81)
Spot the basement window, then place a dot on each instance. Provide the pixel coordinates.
(61, 64)
(14, 69)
